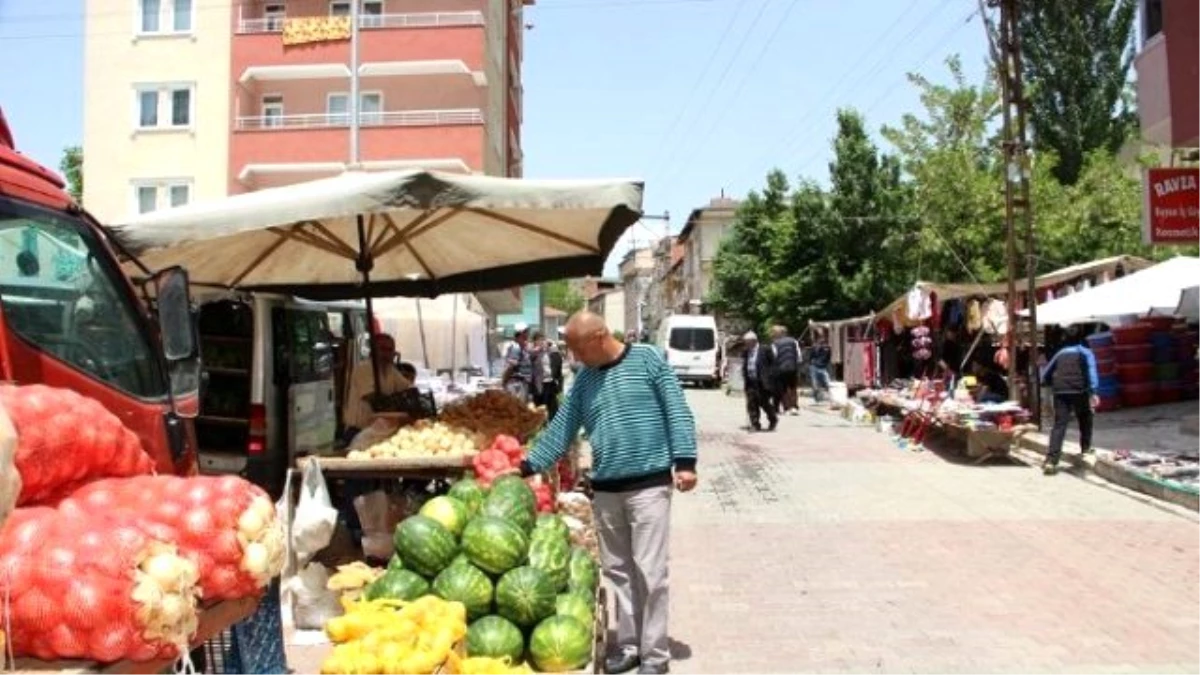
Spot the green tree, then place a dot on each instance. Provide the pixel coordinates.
(71, 166)
(1077, 55)
(559, 295)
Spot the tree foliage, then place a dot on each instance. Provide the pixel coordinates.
(932, 211)
(1077, 55)
(71, 166)
(559, 295)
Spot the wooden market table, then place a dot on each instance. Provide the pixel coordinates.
(399, 467)
(980, 445)
(214, 618)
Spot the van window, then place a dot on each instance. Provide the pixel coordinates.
(303, 345)
(61, 293)
(693, 339)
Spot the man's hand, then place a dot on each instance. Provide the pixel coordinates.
(685, 481)
(1095, 401)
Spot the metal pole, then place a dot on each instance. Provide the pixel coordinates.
(364, 264)
(355, 7)
(421, 328)
(454, 340)
(1009, 155)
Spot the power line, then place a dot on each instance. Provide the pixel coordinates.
(801, 128)
(720, 80)
(724, 110)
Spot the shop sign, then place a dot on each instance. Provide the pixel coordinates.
(1171, 206)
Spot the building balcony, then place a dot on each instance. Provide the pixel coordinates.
(1167, 77)
(433, 36)
(395, 118)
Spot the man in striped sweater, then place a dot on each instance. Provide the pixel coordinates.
(643, 441)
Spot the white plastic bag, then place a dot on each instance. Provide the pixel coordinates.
(315, 520)
(374, 512)
(10, 480)
(312, 602)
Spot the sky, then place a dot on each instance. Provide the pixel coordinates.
(694, 97)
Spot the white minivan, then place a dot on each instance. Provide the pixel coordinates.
(692, 349)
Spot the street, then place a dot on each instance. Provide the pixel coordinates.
(822, 547)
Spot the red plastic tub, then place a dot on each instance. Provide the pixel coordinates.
(1135, 373)
(1108, 403)
(1106, 367)
(1105, 353)
(1137, 353)
(1168, 393)
(1159, 323)
(1138, 395)
(1132, 334)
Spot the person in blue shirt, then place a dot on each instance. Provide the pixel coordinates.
(1072, 376)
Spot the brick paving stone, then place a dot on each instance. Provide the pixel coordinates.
(822, 547)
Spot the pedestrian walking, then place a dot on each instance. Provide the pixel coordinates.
(818, 364)
(759, 375)
(643, 437)
(547, 373)
(787, 365)
(1073, 378)
(518, 365)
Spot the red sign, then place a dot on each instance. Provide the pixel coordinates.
(1171, 208)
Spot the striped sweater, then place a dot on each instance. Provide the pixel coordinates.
(636, 418)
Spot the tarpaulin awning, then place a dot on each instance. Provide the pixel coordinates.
(1154, 290)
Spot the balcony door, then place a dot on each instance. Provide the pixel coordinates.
(370, 108)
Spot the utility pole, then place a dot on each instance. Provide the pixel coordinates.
(1005, 44)
(355, 8)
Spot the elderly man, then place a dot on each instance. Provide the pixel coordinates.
(758, 374)
(518, 361)
(357, 414)
(643, 444)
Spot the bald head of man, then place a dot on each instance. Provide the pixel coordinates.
(589, 338)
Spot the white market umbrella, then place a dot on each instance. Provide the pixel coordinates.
(416, 233)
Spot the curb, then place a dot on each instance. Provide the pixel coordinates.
(1117, 474)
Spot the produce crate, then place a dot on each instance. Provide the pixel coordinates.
(424, 467)
(600, 631)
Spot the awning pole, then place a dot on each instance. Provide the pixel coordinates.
(364, 264)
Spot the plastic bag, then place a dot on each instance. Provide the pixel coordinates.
(379, 431)
(316, 519)
(65, 439)
(374, 513)
(224, 524)
(313, 603)
(88, 586)
(10, 480)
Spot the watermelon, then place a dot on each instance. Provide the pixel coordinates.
(554, 524)
(397, 585)
(424, 545)
(460, 559)
(581, 571)
(470, 493)
(525, 596)
(560, 644)
(552, 556)
(508, 506)
(465, 584)
(395, 563)
(495, 637)
(514, 485)
(494, 545)
(577, 607)
(448, 511)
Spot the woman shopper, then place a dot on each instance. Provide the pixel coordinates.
(1072, 376)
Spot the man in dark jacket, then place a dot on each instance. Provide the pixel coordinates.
(819, 359)
(787, 364)
(758, 372)
(1072, 376)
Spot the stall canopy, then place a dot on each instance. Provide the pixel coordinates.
(1189, 304)
(416, 233)
(946, 292)
(1154, 290)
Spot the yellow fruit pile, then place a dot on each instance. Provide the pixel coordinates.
(380, 637)
(484, 665)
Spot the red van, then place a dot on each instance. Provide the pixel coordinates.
(70, 318)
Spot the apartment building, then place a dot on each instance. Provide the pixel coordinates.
(637, 271)
(700, 238)
(1168, 73)
(197, 99)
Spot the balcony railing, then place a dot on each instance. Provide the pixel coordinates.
(401, 118)
(274, 24)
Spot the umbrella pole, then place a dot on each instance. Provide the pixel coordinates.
(364, 264)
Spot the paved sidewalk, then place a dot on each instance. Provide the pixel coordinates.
(824, 548)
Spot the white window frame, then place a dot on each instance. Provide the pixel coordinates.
(271, 102)
(375, 118)
(162, 188)
(275, 14)
(166, 20)
(166, 102)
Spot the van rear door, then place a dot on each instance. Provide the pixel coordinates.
(304, 360)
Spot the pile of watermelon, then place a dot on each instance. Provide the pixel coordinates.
(530, 596)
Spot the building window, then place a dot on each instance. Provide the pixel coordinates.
(370, 12)
(339, 8)
(370, 107)
(275, 15)
(1152, 19)
(165, 17)
(272, 110)
(161, 194)
(177, 99)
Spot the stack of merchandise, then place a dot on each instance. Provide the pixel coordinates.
(1174, 354)
(1135, 365)
(1187, 353)
(1109, 392)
